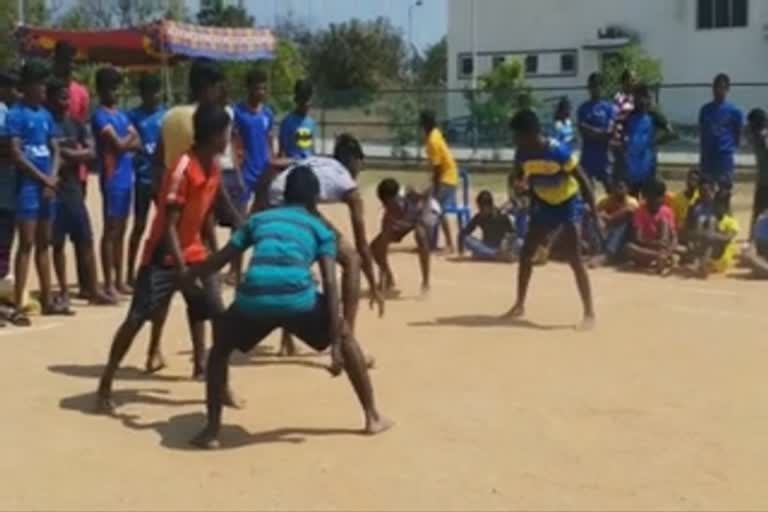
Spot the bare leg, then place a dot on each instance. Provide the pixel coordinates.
(572, 239)
(122, 341)
(60, 267)
(137, 233)
(27, 231)
(287, 345)
(537, 234)
(446, 227)
(107, 255)
(422, 244)
(350, 282)
(197, 331)
(43, 262)
(155, 359)
(87, 255)
(380, 253)
(119, 258)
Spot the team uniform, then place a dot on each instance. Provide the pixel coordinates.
(185, 185)
(148, 125)
(297, 136)
(72, 218)
(595, 156)
(720, 124)
(440, 157)
(34, 127)
(640, 159)
(253, 128)
(116, 168)
(564, 132)
(624, 105)
(555, 197)
(278, 290)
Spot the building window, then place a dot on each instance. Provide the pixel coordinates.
(722, 14)
(466, 66)
(532, 64)
(568, 63)
(498, 61)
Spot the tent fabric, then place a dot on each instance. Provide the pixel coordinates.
(151, 44)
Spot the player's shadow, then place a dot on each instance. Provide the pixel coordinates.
(260, 359)
(176, 432)
(491, 321)
(124, 373)
(87, 403)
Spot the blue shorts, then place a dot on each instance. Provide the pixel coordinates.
(553, 216)
(445, 195)
(117, 202)
(73, 221)
(32, 206)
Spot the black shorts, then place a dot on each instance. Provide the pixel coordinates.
(761, 199)
(156, 285)
(244, 331)
(142, 200)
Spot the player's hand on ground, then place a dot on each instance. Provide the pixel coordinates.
(377, 301)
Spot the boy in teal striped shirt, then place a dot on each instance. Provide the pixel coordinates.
(278, 292)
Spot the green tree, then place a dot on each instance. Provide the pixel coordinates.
(634, 57)
(36, 12)
(432, 68)
(214, 14)
(357, 58)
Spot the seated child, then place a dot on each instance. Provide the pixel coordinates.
(755, 257)
(616, 213)
(517, 207)
(496, 228)
(654, 240)
(712, 239)
(682, 202)
(404, 211)
(701, 212)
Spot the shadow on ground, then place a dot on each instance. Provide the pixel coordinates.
(86, 403)
(491, 321)
(124, 373)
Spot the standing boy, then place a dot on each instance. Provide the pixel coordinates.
(445, 172)
(758, 136)
(596, 119)
(556, 180)
(147, 120)
(297, 131)
(720, 123)
(175, 242)
(7, 174)
(279, 292)
(116, 139)
(72, 218)
(624, 105)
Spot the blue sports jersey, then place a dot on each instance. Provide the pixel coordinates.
(640, 154)
(254, 129)
(116, 168)
(720, 125)
(149, 125)
(7, 173)
(564, 133)
(286, 242)
(600, 115)
(297, 136)
(34, 126)
(550, 172)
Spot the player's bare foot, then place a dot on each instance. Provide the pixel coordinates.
(104, 403)
(231, 400)
(124, 289)
(207, 439)
(379, 425)
(587, 324)
(424, 294)
(198, 373)
(101, 299)
(155, 363)
(517, 311)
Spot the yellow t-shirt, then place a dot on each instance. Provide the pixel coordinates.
(441, 157)
(680, 205)
(728, 225)
(610, 205)
(178, 133)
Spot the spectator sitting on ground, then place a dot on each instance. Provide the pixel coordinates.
(654, 239)
(497, 229)
(517, 207)
(713, 238)
(755, 257)
(616, 213)
(682, 202)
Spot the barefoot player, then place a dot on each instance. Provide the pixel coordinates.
(279, 293)
(555, 180)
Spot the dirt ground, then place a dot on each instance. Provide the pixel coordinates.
(664, 406)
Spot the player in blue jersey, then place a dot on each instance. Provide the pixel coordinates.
(720, 123)
(147, 119)
(116, 140)
(35, 155)
(596, 120)
(557, 184)
(298, 129)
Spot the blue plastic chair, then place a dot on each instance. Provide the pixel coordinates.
(462, 211)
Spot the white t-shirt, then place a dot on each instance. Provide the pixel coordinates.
(335, 180)
(226, 160)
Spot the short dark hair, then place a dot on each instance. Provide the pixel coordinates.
(428, 119)
(204, 73)
(595, 78)
(256, 76)
(757, 117)
(149, 82)
(642, 91)
(346, 148)
(655, 189)
(485, 198)
(387, 189)
(707, 181)
(64, 50)
(563, 104)
(722, 77)
(54, 87)
(302, 186)
(108, 77)
(208, 121)
(34, 70)
(525, 122)
(303, 89)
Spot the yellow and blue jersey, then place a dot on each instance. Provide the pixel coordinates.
(550, 172)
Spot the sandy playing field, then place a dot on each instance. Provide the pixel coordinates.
(663, 406)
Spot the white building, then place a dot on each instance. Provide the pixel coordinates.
(560, 45)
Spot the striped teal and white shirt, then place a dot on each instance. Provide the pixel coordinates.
(286, 242)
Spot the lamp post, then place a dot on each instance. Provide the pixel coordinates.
(411, 7)
(20, 8)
